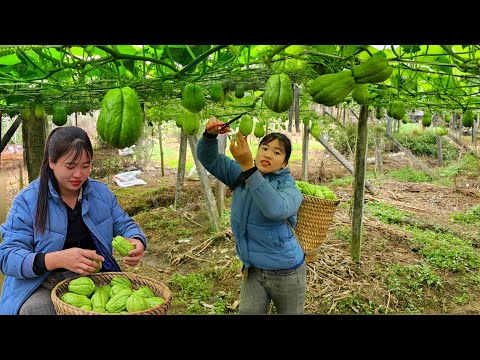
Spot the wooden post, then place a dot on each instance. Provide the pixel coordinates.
(359, 184)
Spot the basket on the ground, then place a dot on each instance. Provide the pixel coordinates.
(104, 278)
(314, 218)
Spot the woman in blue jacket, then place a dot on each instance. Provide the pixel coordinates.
(60, 225)
(264, 198)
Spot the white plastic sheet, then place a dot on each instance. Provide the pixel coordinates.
(128, 178)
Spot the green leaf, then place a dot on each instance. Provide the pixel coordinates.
(16, 99)
(9, 60)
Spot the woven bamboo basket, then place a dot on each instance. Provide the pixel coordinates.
(158, 288)
(313, 221)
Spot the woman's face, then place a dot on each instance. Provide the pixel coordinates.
(270, 157)
(71, 175)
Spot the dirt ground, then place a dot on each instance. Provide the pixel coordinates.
(333, 276)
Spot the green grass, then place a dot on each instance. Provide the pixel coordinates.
(387, 213)
(472, 216)
(199, 292)
(444, 250)
(408, 174)
(410, 285)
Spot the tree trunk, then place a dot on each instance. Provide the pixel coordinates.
(439, 150)
(305, 140)
(359, 184)
(378, 154)
(206, 187)
(296, 101)
(160, 145)
(290, 117)
(182, 158)
(34, 138)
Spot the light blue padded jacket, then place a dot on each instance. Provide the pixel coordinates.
(259, 210)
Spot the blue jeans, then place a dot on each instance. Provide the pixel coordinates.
(286, 288)
(40, 302)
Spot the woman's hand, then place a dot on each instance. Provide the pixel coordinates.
(241, 151)
(134, 256)
(214, 125)
(80, 261)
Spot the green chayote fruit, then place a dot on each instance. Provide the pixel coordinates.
(246, 125)
(122, 245)
(120, 122)
(144, 291)
(122, 280)
(75, 299)
(82, 285)
(154, 301)
(136, 303)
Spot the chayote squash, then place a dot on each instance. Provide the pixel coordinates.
(331, 89)
(259, 130)
(216, 93)
(106, 288)
(39, 108)
(136, 303)
(191, 123)
(315, 130)
(427, 119)
(144, 291)
(193, 98)
(154, 301)
(239, 91)
(360, 94)
(82, 285)
(179, 118)
(376, 69)
(120, 122)
(99, 299)
(75, 299)
(117, 302)
(116, 288)
(389, 109)
(122, 245)
(246, 125)
(378, 112)
(121, 280)
(447, 118)
(99, 309)
(468, 118)
(278, 95)
(398, 110)
(59, 116)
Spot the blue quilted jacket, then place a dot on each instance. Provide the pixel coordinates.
(101, 212)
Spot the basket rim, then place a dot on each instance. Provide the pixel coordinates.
(56, 299)
(311, 198)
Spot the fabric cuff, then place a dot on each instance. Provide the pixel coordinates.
(209, 136)
(39, 266)
(249, 172)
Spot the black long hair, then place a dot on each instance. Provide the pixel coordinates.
(61, 141)
(285, 145)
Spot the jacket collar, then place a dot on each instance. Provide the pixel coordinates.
(54, 190)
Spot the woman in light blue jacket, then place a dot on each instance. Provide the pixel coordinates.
(265, 197)
(60, 226)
